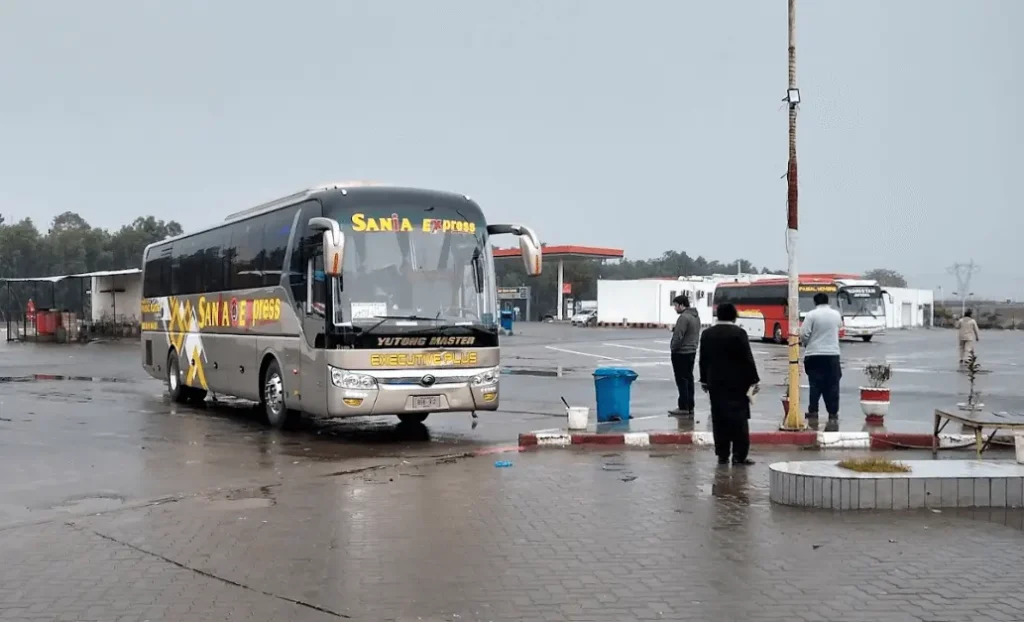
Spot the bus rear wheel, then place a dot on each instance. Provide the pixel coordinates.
(866, 337)
(179, 391)
(272, 397)
(777, 334)
(410, 418)
(175, 388)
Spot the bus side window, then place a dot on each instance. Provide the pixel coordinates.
(296, 265)
(316, 292)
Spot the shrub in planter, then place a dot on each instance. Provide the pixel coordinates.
(972, 367)
(875, 398)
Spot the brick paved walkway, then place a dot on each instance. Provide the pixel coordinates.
(584, 536)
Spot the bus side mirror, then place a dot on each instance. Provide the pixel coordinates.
(529, 245)
(333, 242)
(532, 254)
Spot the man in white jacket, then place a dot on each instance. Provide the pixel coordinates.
(967, 333)
(820, 337)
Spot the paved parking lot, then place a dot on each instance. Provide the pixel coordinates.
(924, 363)
(117, 505)
(563, 536)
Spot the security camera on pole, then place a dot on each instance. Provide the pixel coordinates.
(794, 418)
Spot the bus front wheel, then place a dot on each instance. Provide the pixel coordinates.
(408, 418)
(272, 397)
(777, 334)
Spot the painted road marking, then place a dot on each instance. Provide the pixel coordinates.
(598, 356)
(620, 345)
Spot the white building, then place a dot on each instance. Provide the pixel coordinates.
(648, 302)
(116, 295)
(909, 308)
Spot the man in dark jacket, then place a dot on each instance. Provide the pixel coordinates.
(685, 337)
(729, 375)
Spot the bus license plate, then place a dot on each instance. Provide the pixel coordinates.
(426, 401)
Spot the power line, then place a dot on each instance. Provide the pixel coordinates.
(963, 273)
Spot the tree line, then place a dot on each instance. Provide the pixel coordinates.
(582, 276)
(70, 246)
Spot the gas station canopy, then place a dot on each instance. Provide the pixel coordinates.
(566, 252)
(563, 253)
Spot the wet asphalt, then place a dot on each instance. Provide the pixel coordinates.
(117, 505)
(82, 428)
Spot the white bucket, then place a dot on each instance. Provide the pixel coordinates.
(1018, 443)
(578, 417)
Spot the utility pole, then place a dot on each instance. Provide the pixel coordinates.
(963, 273)
(794, 418)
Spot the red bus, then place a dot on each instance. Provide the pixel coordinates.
(763, 308)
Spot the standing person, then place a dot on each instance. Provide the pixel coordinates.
(967, 333)
(729, 375)
(685, 337)
(820, 337)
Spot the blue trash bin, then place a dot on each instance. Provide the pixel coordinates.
(506, 321)
(612, 385)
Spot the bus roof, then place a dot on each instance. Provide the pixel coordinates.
(857, 282)
(298, 197)
(805, 279)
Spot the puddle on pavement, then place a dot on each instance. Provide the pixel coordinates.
(98, 502)
(556, 372)
(249, 499)
(241, 504)
(58, 378)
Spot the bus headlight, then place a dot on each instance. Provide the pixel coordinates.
(351, 380)
(488, 377)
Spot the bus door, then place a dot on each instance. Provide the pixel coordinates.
(313, 372)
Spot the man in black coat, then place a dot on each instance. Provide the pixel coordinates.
(729, 375)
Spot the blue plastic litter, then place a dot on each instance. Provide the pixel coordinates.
(501, 464)
(612, 385)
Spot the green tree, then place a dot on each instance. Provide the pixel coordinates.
(583, 275)
(20, 249)
(886, 277)
(70, 246)
(127, 244)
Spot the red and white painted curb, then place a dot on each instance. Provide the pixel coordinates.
(810, 439)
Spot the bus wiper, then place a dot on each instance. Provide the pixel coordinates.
(408, 317)
(385, 318)
(474, 328)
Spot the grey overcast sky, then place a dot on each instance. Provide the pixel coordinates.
(646, 125)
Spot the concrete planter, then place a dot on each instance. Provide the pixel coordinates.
(874, 402)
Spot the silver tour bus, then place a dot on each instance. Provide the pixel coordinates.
(342, 300)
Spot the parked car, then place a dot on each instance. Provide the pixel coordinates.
(586, 318)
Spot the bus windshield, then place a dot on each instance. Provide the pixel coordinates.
(415, 261)
(857, 304)
(807, 302)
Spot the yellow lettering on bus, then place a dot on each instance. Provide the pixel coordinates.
(202, 312)
(423, 359)
(225, 314)
(358, 222)
(241, 313)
